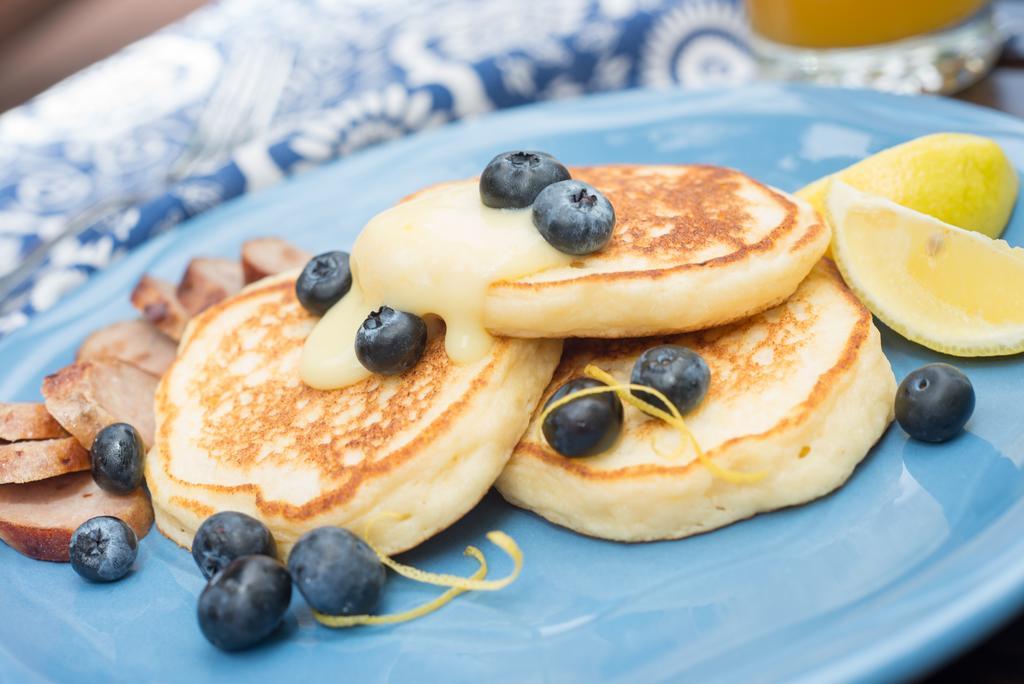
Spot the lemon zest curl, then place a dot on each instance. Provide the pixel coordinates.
(673, 418)
(338, 621)
(456, 584)
(496, 537)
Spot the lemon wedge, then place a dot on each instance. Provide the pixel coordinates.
(962, 179)
(952, 290)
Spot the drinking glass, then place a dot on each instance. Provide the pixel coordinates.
(906, 46)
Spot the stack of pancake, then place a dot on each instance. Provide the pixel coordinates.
(701, 256)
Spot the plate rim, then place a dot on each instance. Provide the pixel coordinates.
(974, 613)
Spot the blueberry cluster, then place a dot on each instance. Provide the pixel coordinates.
(571, 215)
(590, 424)
(103, 549)
(249, 590)
(388, 342)
(574, 217)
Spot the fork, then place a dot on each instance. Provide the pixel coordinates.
(240, 107)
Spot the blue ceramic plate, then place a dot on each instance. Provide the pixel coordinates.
(918, 556)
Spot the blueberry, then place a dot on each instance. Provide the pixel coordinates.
(244, 603)
(585, 426)
(680, 374)
(934, 402)
(116, 456)
(325, 279)
(574, 217)
(103, 549)
(390, 342)
(337, 572)
(228, 535)
(513, 179)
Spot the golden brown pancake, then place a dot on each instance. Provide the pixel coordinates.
(238, 430)
(800, 393)
(693, 247)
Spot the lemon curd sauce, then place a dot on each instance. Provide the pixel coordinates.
(436, 253)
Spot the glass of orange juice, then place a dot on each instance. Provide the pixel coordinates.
(909, 46)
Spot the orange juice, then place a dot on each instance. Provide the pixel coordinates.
(853, 23)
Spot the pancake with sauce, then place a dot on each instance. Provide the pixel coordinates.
(800, 393)
(693, 247)
(237, 429)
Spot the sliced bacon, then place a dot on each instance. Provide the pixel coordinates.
(208, 281)
(139, 343)
(158, 303)
(40, 459)
(268, 256)
(87, 396)
(20, 421)
(38, 519)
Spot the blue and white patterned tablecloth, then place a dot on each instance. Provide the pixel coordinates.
(336, 76)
